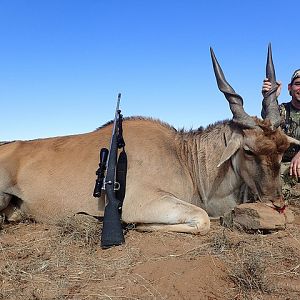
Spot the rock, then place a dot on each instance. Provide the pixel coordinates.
(290, 217)
(259, 216)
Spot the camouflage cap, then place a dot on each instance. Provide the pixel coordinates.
(295, 75)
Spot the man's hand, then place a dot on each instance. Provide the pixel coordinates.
(267, 86)
(295, 166)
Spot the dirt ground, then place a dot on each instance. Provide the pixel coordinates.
(64, 261)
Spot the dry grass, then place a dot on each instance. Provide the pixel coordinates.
(248, 272)
(62, 262)
(246, 263)
(66, 262)
(81, 228)
(220, 243)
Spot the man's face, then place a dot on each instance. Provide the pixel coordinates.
(294, 89)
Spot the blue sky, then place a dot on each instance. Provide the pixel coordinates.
(63, 62)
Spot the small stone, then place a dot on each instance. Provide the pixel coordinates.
(259, 216)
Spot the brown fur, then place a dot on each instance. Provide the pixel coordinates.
(269, 140)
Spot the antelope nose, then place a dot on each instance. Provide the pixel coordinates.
(279, 202)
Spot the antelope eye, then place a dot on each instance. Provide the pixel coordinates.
(248, 152)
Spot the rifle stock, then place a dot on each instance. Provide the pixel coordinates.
(112, 231)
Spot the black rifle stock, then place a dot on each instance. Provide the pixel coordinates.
(112, 231)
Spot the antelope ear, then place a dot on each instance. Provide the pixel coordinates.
(232, 146)
(293, 140)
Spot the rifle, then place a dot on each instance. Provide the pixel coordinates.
(113, 184)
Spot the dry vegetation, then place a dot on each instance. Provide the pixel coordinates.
(40, 261)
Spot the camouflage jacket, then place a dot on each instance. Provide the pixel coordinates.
(291, 126)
